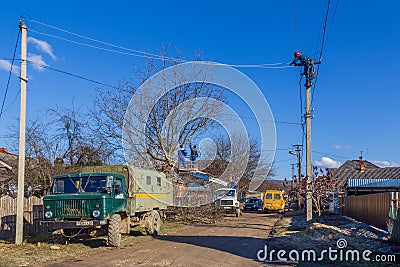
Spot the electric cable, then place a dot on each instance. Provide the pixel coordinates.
(9, 75)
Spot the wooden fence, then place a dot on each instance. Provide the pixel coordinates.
(372, 209)
(33, 213)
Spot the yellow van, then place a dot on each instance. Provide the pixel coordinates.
(274, 201)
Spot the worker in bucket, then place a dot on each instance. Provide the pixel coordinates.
(194, 154)
(181, 156)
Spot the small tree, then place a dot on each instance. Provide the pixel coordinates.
(325, 191)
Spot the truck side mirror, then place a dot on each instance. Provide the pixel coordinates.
(117, 189)
(109, 182)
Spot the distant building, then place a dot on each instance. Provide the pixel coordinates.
(271, 184)
(8, 165)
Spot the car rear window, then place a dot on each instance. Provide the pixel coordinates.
(268, 196)
(277, 196)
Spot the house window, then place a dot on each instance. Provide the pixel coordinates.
(148, 180)
(159, 181)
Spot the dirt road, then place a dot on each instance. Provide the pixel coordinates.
(232, 242)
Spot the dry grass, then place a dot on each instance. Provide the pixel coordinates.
(39, 250)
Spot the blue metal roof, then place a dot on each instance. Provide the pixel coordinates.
(376, 183)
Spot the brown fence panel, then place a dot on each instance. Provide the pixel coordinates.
(372, 209)
(33, 213)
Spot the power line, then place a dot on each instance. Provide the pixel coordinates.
(286, 122)
(276, 161)
(324, 31)
(12, 102)
(9, 75)
(332, 155)
(142, 53)
(277, 149)
(96, 47)
(323, 43)
(333, 18)
(101, 42)
(70, 74)
(253, 118)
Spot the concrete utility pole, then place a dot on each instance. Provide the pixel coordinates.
(308, 150)
(292, 183)
(19, 231)
(298, 151)
(309, 72)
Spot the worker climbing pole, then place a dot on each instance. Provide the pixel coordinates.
(308, 65)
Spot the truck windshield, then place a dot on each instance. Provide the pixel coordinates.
(229, 193)
(79, 184)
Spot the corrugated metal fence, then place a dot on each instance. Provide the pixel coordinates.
(372, 209)
(33, 213)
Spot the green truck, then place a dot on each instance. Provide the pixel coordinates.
(107, 199)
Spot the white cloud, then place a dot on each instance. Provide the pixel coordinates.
(327, 163)
(384, 163)
(341, 147)
(40, 63)
(6, 65)
(43, 46)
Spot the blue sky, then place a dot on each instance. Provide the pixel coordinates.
(355, 100)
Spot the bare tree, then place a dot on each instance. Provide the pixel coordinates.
(238, 160)
(74, 141)
(59, 142)
(153, 120)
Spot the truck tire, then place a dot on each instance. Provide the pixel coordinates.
(153, 224)
(114, 231)
(59, 238)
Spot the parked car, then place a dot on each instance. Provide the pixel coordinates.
(253, 204)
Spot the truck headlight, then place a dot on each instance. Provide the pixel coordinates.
(96, 213)
(48, 214)
(236, 204)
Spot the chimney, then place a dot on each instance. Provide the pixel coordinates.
(3, 150)
(362, 166)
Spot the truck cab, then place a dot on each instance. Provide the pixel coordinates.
(87, 198)
(228, 200)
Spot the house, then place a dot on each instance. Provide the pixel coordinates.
(352, 170)
(8, 165)
(357, 175)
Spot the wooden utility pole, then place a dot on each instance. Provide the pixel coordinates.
(19, 230)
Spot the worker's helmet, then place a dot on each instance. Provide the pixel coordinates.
(296, 53)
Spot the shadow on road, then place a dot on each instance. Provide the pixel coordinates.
(246, 247)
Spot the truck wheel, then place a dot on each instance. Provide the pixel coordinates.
(59, 238)
(114, 231)
(153, 224)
